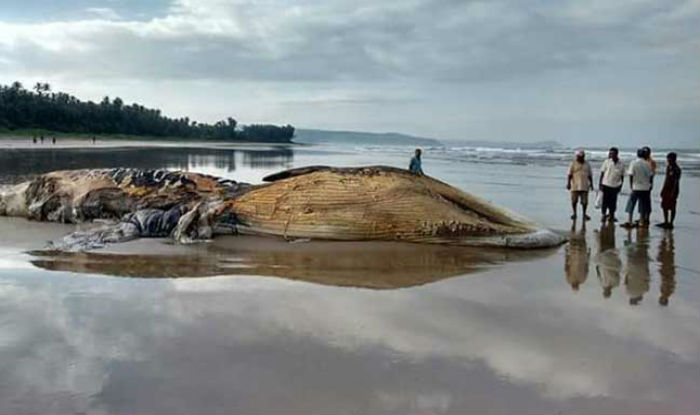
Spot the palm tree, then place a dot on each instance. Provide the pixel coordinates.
(42, 87)
(17, 85)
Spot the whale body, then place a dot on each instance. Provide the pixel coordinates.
(377, 203)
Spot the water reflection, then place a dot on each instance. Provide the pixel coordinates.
(20, 164)
(483, 344)
(609, 268)
(608, 263)
(378, 265)
(667, 267)
(637, 274)
(577, 258)
(260, 159)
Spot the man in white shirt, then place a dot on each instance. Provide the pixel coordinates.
(641, 179)
(612, 173)
(579, 182)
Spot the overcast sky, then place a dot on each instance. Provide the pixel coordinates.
(581, 72)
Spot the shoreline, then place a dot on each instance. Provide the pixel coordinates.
(16, 142)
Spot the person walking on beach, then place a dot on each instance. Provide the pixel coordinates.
(53, 140)
(612, 174)
(415, 166)
(41, 138)
(93, 139)
(33, 139)
(670, 190)
(641, 179)
(579, 182)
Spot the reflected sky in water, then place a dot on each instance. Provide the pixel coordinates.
(247, 163)
(606, 324)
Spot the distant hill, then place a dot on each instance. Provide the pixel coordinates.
(310, 136)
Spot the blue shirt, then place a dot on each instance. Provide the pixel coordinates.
(415, 166)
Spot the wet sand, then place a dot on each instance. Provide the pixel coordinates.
(378, 265)
(607, 324)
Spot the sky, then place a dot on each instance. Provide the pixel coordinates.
(598, 72)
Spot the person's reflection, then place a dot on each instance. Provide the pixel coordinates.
(608, 264)
(577, 257)
(667, 267)
(637, 269)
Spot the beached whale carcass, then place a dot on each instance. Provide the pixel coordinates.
(318, 202)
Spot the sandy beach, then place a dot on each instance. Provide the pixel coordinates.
(396, 327)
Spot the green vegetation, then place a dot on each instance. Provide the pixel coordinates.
(42, 111)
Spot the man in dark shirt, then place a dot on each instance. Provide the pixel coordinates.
(669, 193)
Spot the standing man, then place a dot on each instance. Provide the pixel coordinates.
(669, 193)
(650, 160)
(612, 174)
(579, 182)
(640, 183)
(416, 166)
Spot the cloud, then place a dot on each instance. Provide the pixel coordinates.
(551, 52)
(320, 41)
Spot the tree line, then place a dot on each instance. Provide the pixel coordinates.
(40, 108)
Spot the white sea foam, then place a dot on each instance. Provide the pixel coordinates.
(688, 160)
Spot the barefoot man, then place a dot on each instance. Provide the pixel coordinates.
(612, 172)
(669, 193)
(579, 182)
(641, 179)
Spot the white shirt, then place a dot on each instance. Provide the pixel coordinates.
(641, 175)
(613, 173)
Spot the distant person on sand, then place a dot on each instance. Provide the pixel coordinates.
(42, 138)
(93, 139)
(33, 139)
(416, 165)
(53, 140)
(579, 182)
(670, 191)
(641, 184)
(612, 174)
